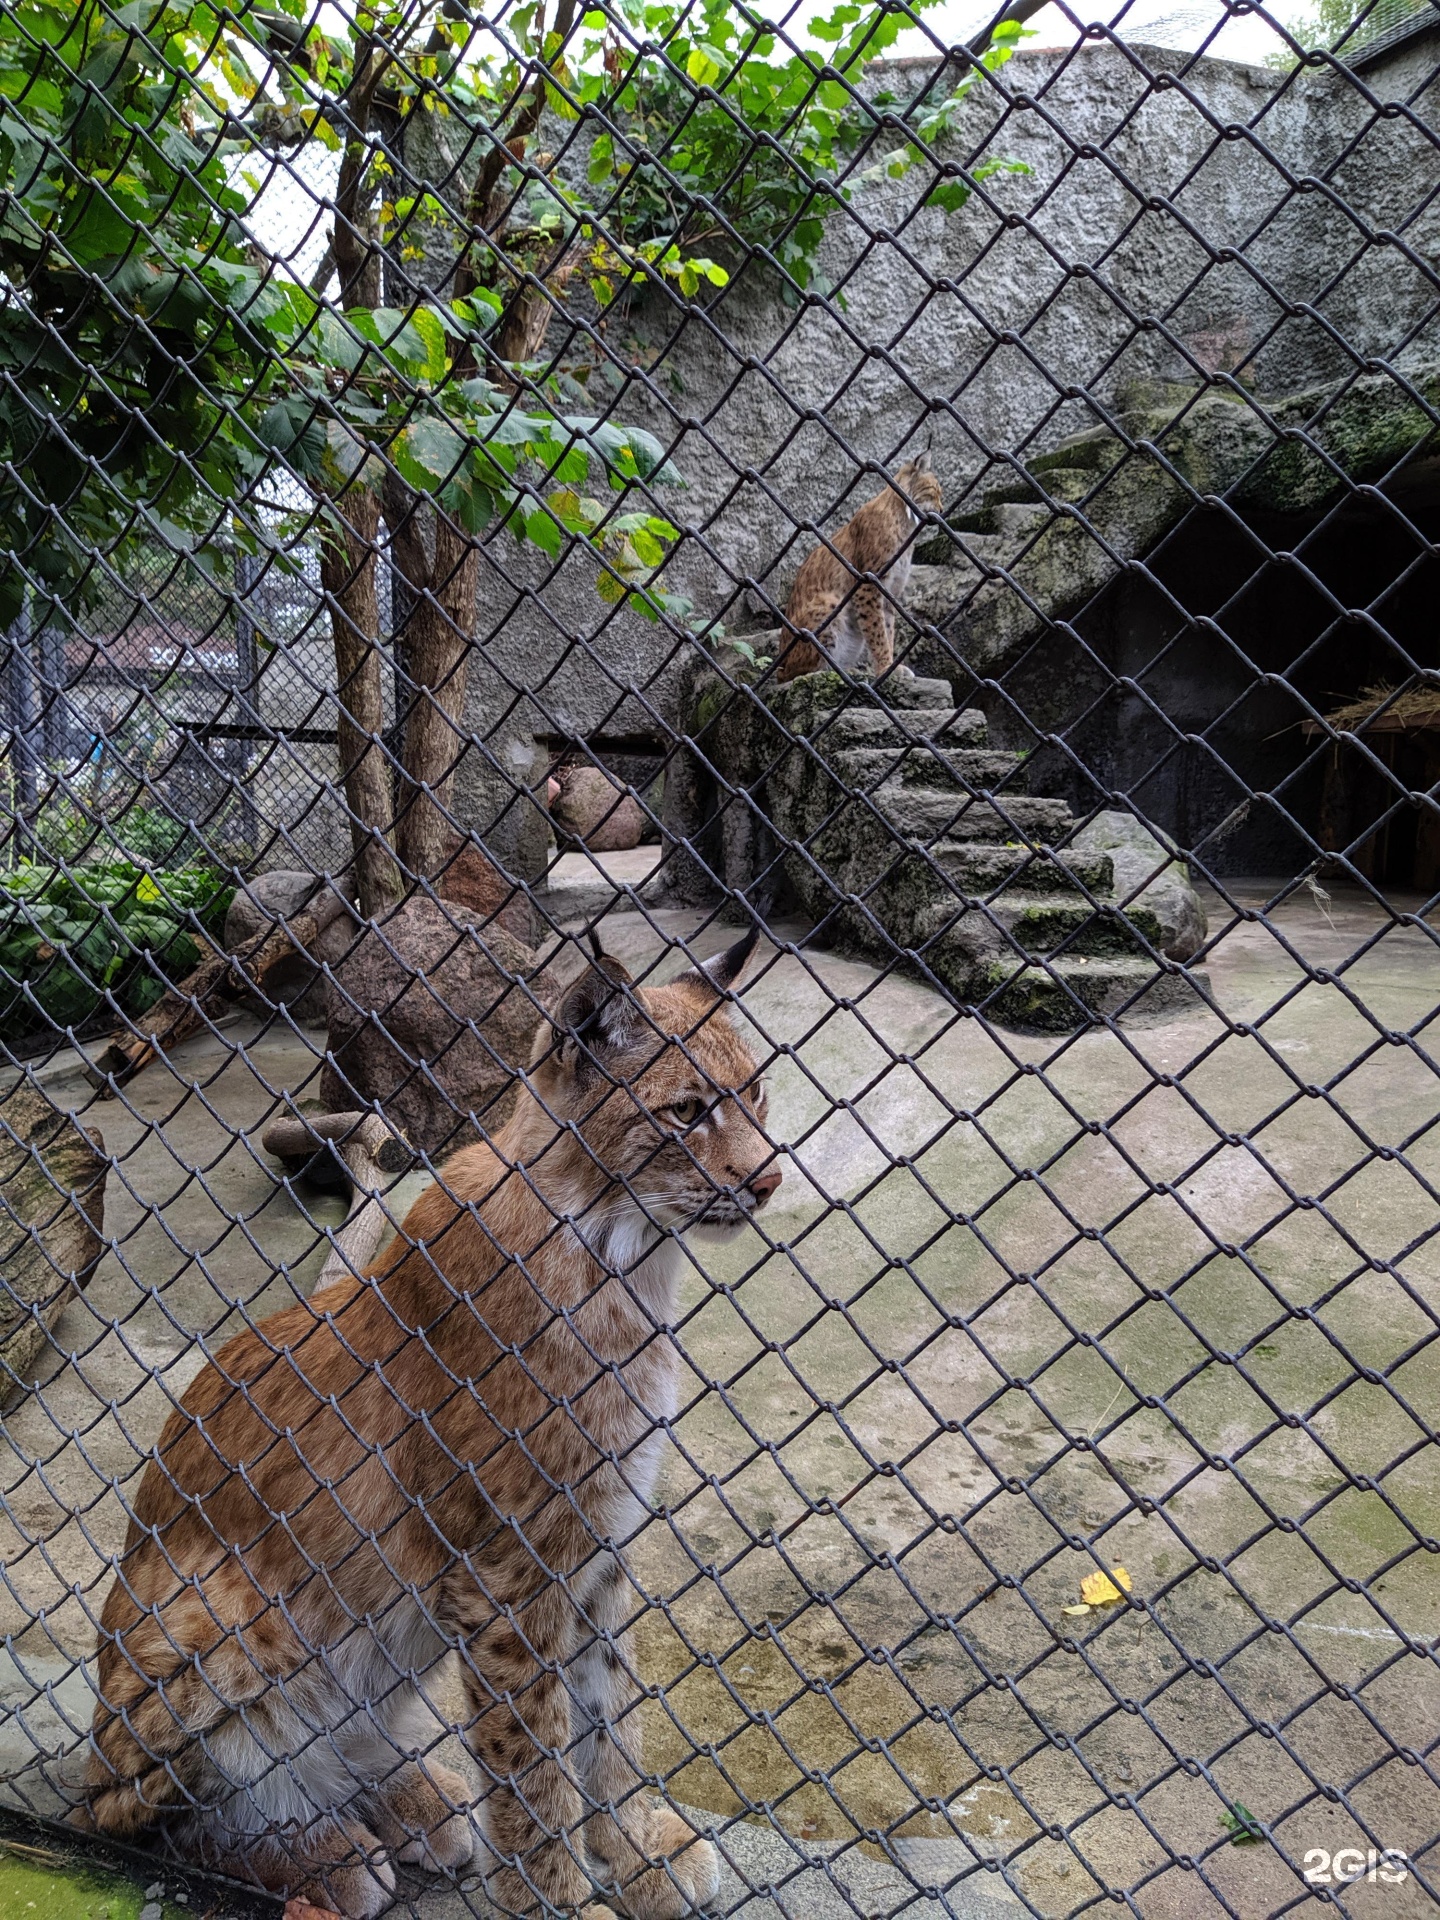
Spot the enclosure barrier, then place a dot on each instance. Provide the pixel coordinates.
(718, 1172)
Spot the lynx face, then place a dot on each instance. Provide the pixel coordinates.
(666, 1100)
(916, 480)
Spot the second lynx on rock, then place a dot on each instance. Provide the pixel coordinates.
(442, 1457)
(854, 618)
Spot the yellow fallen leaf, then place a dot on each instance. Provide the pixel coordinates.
(1101, 1589)
(1082, 1608)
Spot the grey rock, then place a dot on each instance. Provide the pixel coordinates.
(270, 898)
(1148, 875)
(49, 1244)
(597, 813)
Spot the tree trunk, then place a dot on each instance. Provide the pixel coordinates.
(347, 573)
(529, 312)
(347, 559)
(440, 637)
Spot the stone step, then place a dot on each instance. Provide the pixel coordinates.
(935, 593)
(1070, 991)
(974, 867)
(929, 814)
(901, 688)
(1029, 922)
(870, 727)
(863, 769)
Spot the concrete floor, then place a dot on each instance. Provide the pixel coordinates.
(1023, 1307)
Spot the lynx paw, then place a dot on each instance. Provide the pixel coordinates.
(358, 1887)
(687, 1881)
(426, 1818)
(444, 1849)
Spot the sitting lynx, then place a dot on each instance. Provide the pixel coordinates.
(853, 618)
(443, 1455)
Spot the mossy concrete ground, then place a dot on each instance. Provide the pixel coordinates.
(929, 1399)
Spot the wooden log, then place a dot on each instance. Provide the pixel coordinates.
(369, 1149)
(52, 1215)
(183, 1009)
(297, 1137)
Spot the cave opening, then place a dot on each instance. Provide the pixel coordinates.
(1194, 698)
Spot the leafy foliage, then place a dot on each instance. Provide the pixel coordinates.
(108, 933)
(158, 366)
(69, 828)
(156, 371)
(726, 135)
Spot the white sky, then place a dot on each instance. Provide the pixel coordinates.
(1182, 24)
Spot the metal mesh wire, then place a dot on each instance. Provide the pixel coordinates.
(632, 1277)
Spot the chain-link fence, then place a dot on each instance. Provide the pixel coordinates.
(719, 1130)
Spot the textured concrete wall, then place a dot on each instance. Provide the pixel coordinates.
(1181, 217)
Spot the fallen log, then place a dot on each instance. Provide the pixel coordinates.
(182, 1009)
(315, 1146)
(52, 1214)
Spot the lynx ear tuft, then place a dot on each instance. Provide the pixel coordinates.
(722, 973)
(924, 462)
(600, 1009)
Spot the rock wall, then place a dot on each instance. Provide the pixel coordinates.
(1182, 218)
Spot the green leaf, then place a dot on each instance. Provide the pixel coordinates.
(601, 164)
(1242, 1826)
(949, 196)
(543, 530)
(291, 428)
(429, 453)
(625, 450)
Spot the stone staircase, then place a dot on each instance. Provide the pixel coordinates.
(899, 829)
(897, 826)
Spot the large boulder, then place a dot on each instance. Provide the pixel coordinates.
(471, 879)
(1147, 874)
(261, 903)
(592, 809)
(423, 1020)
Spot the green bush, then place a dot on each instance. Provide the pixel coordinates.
(71, 829)
(69, 939)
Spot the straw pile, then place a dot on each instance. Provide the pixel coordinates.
(1415, 707)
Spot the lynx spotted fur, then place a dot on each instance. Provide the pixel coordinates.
(832, 603)
(443, 1455)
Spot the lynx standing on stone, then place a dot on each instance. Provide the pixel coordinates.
(854, 618)
(444, 1455)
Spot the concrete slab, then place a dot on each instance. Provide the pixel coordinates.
(768, 1874)
(1163, 1299)
(585, 886)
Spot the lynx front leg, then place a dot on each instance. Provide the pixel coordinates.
(653, 1865)
(876, 619)
(515, 1682)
